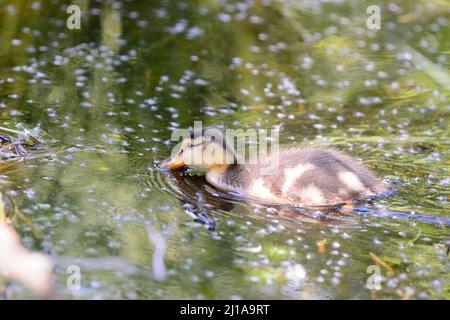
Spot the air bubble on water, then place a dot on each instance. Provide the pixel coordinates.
(319, 126)
(200, 82)
(323, 271)
(336, 245)
(320, 279)
(194, 32)
(224, 17)
(345, 235)
(375, 47)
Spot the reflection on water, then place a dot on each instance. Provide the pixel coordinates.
(106, 99)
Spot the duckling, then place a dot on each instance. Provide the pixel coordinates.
(305, 177)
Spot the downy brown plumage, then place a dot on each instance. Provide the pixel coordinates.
(307, 177)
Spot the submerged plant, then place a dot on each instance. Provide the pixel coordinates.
(13, 147)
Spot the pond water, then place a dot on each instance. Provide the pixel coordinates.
(104, 100)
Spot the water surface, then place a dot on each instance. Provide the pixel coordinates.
(105, 99)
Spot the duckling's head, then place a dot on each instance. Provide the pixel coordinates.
(203, 150)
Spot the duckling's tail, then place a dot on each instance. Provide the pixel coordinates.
(401, 216)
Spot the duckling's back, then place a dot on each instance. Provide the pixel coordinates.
(310, 177)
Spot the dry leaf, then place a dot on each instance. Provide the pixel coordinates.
(322, 245)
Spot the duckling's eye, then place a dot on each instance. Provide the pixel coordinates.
(181, 151)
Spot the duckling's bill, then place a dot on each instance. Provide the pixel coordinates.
(173, 163)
